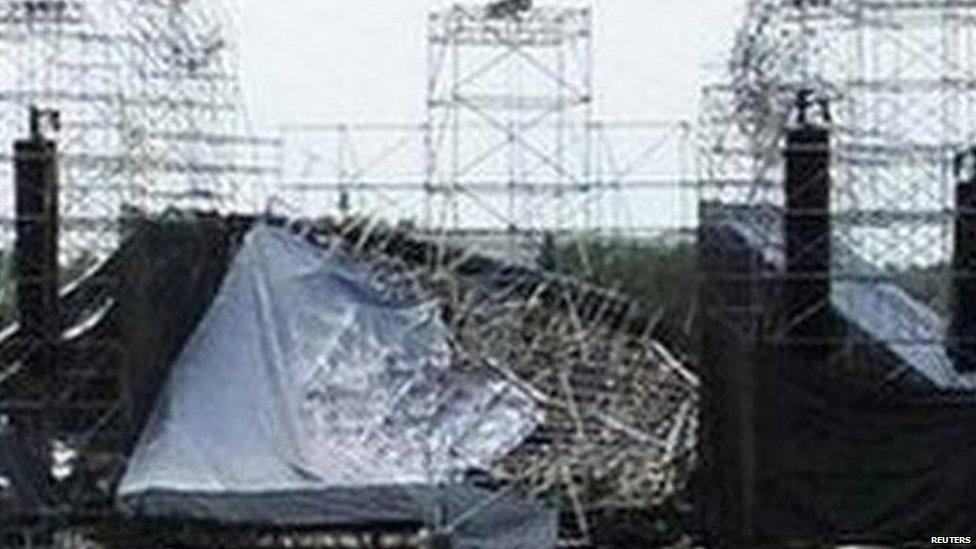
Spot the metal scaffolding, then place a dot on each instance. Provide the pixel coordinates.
(511, 152)
(377, 169)
(510, 103)
(146, 116)
(511, 147)
(900, 79)
(512, 155)
(149, 100)
(835, 253)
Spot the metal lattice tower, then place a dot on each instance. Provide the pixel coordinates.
(510, 109)
(151, 118)
(900, 79)
(150, 104)
(510, 148)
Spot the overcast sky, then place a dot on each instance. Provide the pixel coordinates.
(364, 60)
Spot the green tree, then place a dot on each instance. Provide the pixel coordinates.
(657, 272)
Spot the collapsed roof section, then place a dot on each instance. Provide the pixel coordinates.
(613, 399)
(909, 330)
(308, 385)
(612, 411)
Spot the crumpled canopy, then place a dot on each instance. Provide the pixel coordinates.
(308, 396)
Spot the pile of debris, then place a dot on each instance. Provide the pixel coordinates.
(350, 377)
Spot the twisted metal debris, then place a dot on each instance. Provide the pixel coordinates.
(620, 409)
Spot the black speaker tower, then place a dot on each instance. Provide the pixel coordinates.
(36, 246)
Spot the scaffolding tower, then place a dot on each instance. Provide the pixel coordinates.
(901, 81)
(146, 117)
(150, 105)
(510, 106)
(511, 148)
(900, 78)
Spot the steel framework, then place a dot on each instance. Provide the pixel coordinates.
(151, 118)
(378, 169)
(149, 100)
(510, 155)
(510, 100)
(900, 78)
(511, 146)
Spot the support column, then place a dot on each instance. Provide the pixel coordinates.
(963, 325)
(36, 246)
(807, 228)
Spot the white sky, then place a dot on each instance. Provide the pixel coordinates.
(364, 60)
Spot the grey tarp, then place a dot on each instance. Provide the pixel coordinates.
(309, 397)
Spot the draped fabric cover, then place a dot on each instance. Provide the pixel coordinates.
(308, 396)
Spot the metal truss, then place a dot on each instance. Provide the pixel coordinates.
(380, 170)
(900, 78)
(150, 103)
(510, 145)
(151, 119)
(509, 102)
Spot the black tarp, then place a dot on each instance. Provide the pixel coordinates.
(122, 323)
(797, 448)
(23, 481)
(168, 281)
(837, 460)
